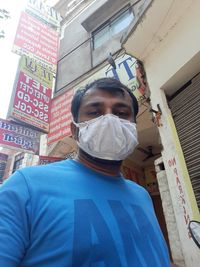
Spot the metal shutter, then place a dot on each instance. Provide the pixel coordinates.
(185, 109)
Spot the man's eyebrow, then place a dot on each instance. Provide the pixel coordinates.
(94, 104)
(100, 104)
(122, 105)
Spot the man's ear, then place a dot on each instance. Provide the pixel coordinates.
(74, 130)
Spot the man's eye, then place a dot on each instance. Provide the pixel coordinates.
(122, 114)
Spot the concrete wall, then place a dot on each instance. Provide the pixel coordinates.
(77, 56)
(28, 160)
(74, 64)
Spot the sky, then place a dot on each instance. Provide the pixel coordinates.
(8, 60)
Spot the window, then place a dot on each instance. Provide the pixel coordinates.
(112, 27)
(18, 161)
(3, 162)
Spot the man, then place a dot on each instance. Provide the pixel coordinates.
(82, 212)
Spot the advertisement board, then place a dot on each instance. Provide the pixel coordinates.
(44, 12)
(128, 70)
(16, 136)
(37, 40)
(60, 117)
(31, 102)
(36, 71)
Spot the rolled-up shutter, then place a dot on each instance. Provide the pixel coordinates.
(185, 107)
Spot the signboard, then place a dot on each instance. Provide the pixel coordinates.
(37, 40)
(16, 136)
(31, 102)
(37, 72)
(3, 161)
(46, 160)
(44, 12)
(128, 70)
(60, 117)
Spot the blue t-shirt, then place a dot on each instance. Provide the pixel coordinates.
(67, 215)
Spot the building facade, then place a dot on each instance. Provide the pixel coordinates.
(12, 160)
(164, 42)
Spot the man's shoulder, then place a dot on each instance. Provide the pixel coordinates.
(134, 185)
(45, 173)
(55, 166)
(44, 176)
(137, 188)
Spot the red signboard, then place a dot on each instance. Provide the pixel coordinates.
(37, 40)
(32, 102)
(43, 160)
(16, 136)
(60, 117)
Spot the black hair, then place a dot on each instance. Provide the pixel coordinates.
(107, 84)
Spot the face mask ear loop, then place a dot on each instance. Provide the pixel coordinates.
(76, 124)
(76, 134)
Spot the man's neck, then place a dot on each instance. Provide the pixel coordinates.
(107, 167)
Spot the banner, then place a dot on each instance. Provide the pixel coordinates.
(60, 117)
(128, 70)
(3, 162)
(44, 12)
(37, 40)
(16, 136)
(37, 72)
(46, 160)
(31, 101)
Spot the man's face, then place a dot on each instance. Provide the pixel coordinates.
(97, 102)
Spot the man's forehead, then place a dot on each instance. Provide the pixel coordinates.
(97, 92)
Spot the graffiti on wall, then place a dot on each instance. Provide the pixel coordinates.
(181, 196)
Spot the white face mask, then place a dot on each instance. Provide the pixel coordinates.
(107, 137)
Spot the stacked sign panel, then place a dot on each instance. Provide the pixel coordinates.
(44, 13)
(32, 95)
(37, 41)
